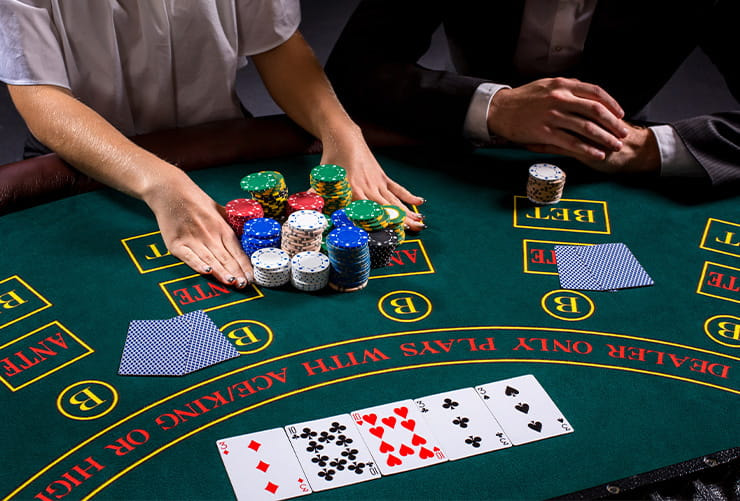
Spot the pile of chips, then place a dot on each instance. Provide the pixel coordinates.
(303, 231)
(240, 211)
(330, 182)
(310, 271)
(271, 267)
(349, 256)
(269, 189)
(545, 184)
(260, 233)
(304, 200)
(382, 244)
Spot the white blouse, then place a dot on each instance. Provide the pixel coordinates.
(144, 65)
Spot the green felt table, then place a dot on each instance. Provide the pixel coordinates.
(647, 377)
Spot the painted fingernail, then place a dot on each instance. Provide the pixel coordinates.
(230, 279)
(242, 283)
(423, 200)
(207, 269)
(417, 215)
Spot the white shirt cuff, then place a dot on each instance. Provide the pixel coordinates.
(476, 119)
(675, 158)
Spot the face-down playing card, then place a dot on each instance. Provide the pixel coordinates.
(398, 437)
(524, 409)
(262, 465)
(332, 452)
(155, 348)
(207, 344)
(462, 423)
(614, 266)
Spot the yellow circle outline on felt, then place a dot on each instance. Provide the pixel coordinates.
(388, 316)
(575, 319)
(706, 330)
(270, 335)
(88, 418)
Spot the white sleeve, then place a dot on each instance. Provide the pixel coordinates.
(675, 158)
(30, 51)
(476, 119)
(265, 24)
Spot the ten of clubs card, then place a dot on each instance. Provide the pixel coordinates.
(331, 452)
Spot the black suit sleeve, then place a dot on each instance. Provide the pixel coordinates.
(373, 68)
(714, 140)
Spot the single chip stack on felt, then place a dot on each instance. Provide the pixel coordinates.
(260, 233)
(240, 211)
(269, 189)
(304, 200)
(382, 245)
(271, 267)
(303, 231)
(330, 182)
(545, 184)
(310, 271)
(349, 255)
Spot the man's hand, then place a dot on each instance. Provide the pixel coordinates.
(639, 154)
(578, 118)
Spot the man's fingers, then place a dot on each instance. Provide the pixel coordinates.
(594, 92)
(587, 129)
(599, 114)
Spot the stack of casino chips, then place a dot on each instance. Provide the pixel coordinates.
(304, 200)
(330, 182)
(269, 189)
(260, 233)
(349, 256)
(339, 218)
(271, 267)
(396, 218)
(309, 271)
(367, 214)
(303, 231)
(240, 211)
(545, 184)
(382, 244)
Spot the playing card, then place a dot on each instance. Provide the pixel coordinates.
(462, 423)
(398, 437)
(523, 408)
(331, 452)
(207, 345)
(262, 465)
(614, 266)
(154, 348)
(572, 271)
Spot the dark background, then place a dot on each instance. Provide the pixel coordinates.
(695, 89)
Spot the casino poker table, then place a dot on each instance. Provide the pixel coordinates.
(648, 377)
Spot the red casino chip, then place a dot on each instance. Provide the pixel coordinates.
(240, 211)
(304, 200)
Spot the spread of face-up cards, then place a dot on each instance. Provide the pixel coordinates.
(389, 439)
